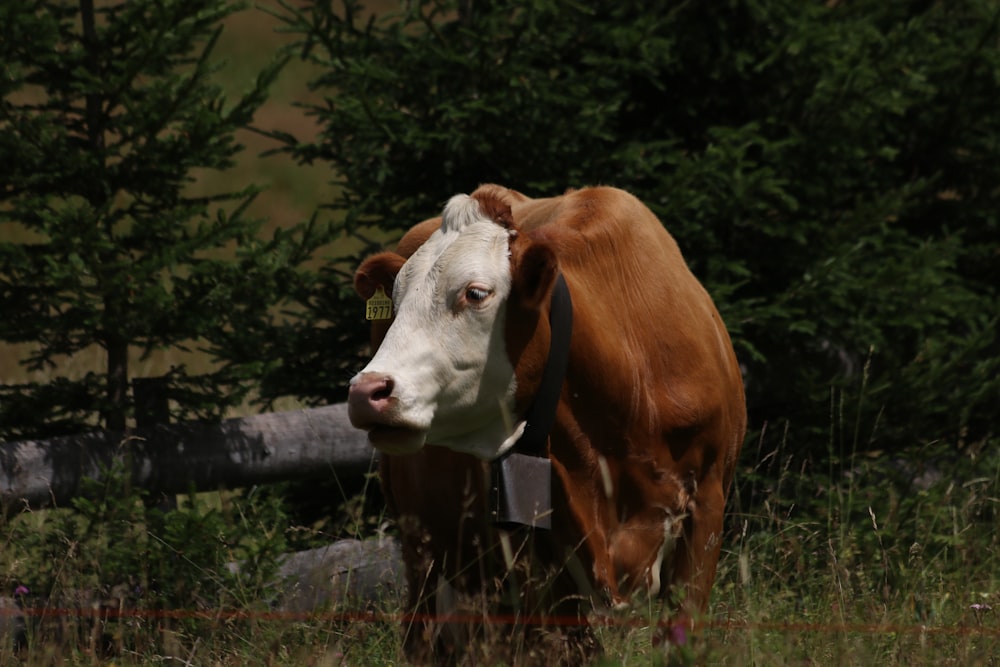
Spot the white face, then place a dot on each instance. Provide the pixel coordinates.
(450, 380)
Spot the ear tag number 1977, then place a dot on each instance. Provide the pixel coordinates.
(379, 307)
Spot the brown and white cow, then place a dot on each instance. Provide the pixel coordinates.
(647, 430)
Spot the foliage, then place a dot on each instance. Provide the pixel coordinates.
(829, 169)
(878, 559)
(108, 116)
(120, 553)
(869, 560)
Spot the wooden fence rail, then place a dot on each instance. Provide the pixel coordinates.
(173, 458)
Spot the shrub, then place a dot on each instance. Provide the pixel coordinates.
(828, 169)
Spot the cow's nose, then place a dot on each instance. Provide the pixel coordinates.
(369, 398)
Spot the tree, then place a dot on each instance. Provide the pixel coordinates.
(829, 170)
(107, 114)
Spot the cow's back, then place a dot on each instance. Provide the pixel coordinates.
(647, 331)
(652, 416)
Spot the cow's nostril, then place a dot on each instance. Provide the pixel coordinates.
(370, 399)
(383, 392)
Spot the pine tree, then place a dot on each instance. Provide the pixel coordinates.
(829, 169)
(107, 113)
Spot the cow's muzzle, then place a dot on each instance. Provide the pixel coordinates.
(373, 406)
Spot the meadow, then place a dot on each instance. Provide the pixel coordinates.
(865, 559)
(846, 567)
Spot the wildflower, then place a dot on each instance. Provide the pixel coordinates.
(21, 590)
(979, 610)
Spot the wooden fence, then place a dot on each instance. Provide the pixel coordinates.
(173, 458)
(167, 459)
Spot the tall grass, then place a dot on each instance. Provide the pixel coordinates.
(888, 559)
(901, 567)
(906, 576)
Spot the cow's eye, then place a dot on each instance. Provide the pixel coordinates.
(476, 294)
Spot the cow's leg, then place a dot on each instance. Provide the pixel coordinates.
(696, 558)
(558, 631)
(422, 578)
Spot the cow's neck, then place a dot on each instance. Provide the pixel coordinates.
(482, 442)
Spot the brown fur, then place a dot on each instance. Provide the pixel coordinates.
(653, 402)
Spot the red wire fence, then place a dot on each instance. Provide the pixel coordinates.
(981, 630)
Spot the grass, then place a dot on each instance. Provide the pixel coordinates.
(901, 575)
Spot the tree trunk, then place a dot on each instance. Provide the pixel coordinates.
(115, 344)
(117, 390)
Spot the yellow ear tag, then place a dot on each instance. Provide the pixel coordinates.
(379, 307)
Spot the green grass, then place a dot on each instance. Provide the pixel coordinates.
(903, 575)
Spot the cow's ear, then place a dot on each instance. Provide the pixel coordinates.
(535, 272)
(377, 271)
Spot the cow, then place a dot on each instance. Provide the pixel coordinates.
(646, 423)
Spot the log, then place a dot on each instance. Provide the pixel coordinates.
(350, 574)
(176, 458)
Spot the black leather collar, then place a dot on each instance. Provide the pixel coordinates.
(541, 415)
(521, 479)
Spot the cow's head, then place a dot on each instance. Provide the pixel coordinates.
(443, 372)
